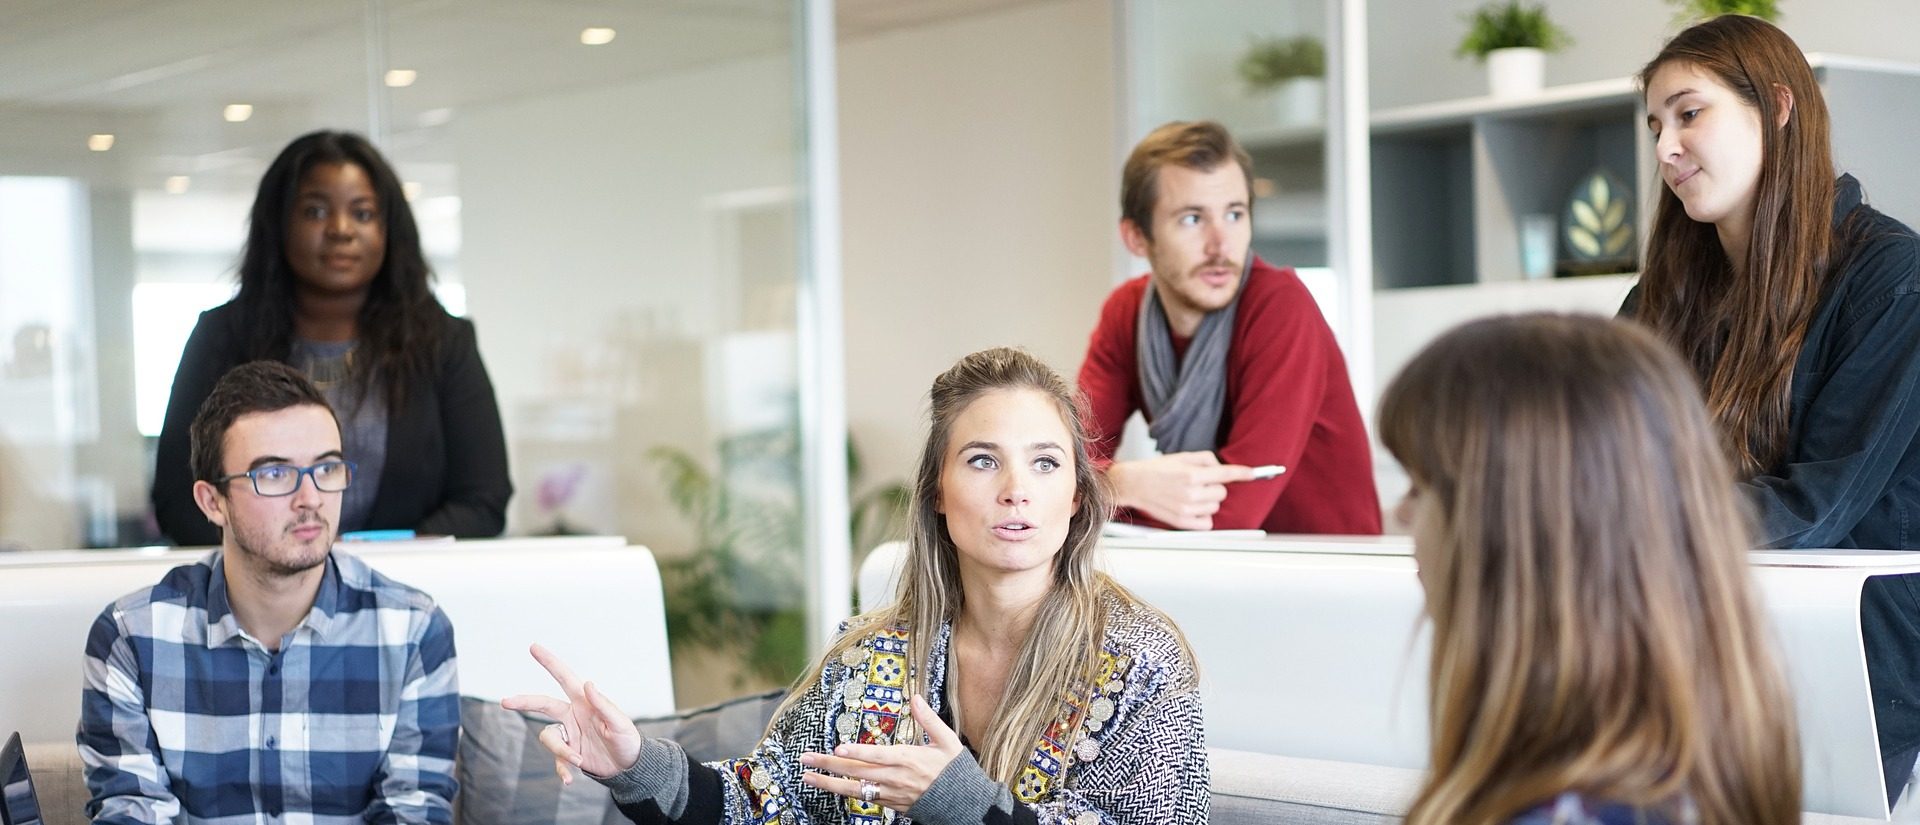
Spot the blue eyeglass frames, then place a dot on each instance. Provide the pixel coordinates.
(284, 479)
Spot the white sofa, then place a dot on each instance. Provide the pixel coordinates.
(1313, 653)
(594, 600)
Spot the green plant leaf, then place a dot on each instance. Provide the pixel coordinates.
(1586, 217)
(1693, 11)
(1506, 25)
(1617, 240)
(1583, 241)
(1616, 213)
(1271, 61)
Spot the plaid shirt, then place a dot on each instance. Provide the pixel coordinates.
(185, 718)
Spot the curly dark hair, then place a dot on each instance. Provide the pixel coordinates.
(399, 326)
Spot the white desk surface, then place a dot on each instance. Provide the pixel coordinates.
(1883, 562)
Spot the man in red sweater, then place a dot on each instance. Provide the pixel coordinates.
(1227, 356)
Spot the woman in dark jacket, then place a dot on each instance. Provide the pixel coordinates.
(333, 282)
(1798, 307)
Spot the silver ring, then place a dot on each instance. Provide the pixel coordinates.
(868, 791)
(564, 738)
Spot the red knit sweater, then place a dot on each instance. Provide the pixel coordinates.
(1288, 403)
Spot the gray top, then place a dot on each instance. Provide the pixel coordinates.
(363, 421)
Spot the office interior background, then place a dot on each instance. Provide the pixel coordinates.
(628, 221)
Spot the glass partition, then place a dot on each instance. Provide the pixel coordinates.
(1259, 67)
(613, 193)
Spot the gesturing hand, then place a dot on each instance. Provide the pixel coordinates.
(898, 774)
(592, 734)
(1183, 490)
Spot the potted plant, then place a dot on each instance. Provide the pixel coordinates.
(1290, 70)
(1513, 40)
(1693, 10)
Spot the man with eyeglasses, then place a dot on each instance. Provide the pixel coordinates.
(278, 678)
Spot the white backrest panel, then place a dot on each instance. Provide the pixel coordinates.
(594, 600)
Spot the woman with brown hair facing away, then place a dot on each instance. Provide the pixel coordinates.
(1798, 308)
(1598, 657)
(1009, 680)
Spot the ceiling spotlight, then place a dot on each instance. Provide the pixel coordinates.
(237, 112)
(100, 143)
(177, 184)
(596, 36)
(401, 78)
(411, 189)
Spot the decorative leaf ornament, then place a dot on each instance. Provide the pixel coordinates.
(1597, 222)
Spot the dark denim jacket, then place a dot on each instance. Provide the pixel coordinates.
(1571, 808)
(1851, 474)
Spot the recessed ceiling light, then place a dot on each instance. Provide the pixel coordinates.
(596, 36)
(100, 143)
(401, 78)
(411, 189)
(237, 112)
(177, 184)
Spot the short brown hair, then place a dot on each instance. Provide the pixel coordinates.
(257, 386)
(1200, 145)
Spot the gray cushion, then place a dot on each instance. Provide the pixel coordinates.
(507, 778)
(60, 780)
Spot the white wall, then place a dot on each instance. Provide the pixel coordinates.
(592, 257)
(1411, 42)
(980, 195)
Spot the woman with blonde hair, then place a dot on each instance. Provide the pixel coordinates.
(1008, 681)
(1798, 307)
(1598, 656)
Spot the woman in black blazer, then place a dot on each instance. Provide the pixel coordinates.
(333, 282)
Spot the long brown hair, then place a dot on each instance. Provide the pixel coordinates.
(1743, 337)
(1063, 646)
(1594, 628)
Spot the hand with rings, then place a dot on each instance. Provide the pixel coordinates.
(590, 732)
(893, 776)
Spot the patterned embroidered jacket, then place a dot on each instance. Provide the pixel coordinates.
(1129, 750)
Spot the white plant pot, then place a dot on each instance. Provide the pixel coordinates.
(1516, 72)
(1300, 101)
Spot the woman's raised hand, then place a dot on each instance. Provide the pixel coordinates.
(897, 774)
(589, 733)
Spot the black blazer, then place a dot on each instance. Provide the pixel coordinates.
(446, 466)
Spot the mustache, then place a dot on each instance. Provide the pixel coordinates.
(1215, 263)
(308, 519)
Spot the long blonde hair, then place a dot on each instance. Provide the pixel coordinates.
(1063, 647)
(1594, 628)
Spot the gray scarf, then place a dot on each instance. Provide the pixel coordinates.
(1185, 399)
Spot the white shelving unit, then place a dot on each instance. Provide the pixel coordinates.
(1452, 180)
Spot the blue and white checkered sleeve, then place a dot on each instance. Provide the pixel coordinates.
(416, 783)
(129, 785)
